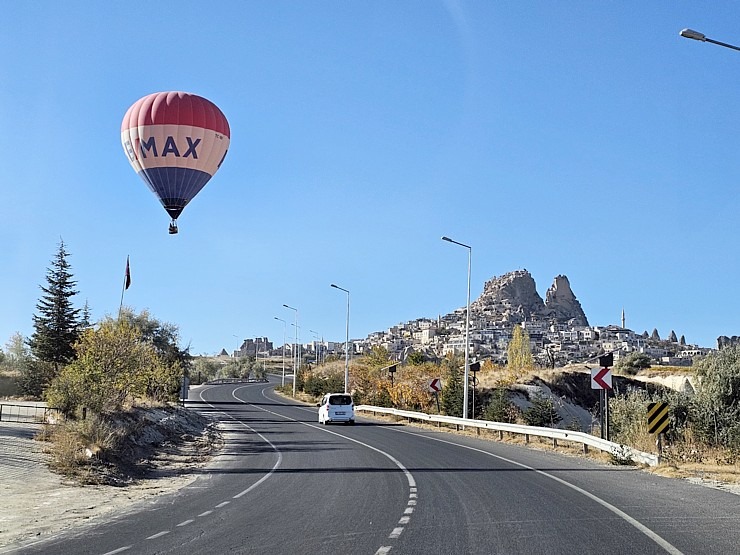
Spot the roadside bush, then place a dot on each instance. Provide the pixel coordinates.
(716, 409)
(500, 408)
(632, 364)
(204, 370)
(318, 386)
(628, 419)
(8, 385)
(239, 367)
(541, 413)
(113, 367)
(77, 445)
(35, 376)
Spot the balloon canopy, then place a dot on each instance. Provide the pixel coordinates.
(175, 141)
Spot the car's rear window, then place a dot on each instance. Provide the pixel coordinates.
(340, 400)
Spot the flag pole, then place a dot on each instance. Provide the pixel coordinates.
(126, 283)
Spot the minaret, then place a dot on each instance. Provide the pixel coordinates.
(623, 320)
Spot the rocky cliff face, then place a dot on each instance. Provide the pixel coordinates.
(513, 298)
(562, 303)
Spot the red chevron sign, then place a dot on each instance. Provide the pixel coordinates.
(435, 385)
(601, 378)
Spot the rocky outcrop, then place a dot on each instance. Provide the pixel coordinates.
(562, 303)
(723, 341)
(513, 298)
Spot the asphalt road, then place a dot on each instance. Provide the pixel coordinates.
(285, 484)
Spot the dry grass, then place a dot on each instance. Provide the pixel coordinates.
(727, 474)
(668, 371)
(76, 446)
(129, 445)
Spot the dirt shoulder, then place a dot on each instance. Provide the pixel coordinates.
(38, 503)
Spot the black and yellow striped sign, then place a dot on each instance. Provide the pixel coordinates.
(658, 416)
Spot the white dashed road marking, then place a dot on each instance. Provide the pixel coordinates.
(119, 550)
(409, 477)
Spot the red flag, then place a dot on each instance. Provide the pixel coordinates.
(128, 275)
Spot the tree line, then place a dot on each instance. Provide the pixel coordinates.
(74, 364)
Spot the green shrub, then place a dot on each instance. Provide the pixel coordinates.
(317, 385)
(632, 364)
(541, 413)
(35, 376)
(500, 408)
(113, 368)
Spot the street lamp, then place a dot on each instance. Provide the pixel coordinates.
(346, 343)
(317, 346)
(285, 326)
(295, 345)
(467, 328)
(298, 347)
(696, 35)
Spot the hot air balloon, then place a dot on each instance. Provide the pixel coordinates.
(175, 141)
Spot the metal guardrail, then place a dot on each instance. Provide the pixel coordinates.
(615, 449)
(29, 414)
(222, 381)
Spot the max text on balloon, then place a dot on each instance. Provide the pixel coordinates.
(170, 147)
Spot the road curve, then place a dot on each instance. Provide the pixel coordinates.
(285, 484)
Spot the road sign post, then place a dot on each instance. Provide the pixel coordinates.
(392, 372)
(601, 379)
(435, 386)
(184, 388)
(658, 418)
(474, 368)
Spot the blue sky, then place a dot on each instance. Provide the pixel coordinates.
(577, 138)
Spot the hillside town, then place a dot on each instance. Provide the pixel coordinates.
(559, 332)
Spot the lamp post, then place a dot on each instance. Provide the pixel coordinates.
(696, 35)
(233, 353)
(297, 364)
(285, 327)
(316, 346)
(256, 357)
(467, 328)
(298, 346)
(346, 343)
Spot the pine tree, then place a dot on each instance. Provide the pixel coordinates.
(85, 321)
(541, 413)
(57, 323)
(453, 391)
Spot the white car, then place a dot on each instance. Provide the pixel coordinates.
(336, 407)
